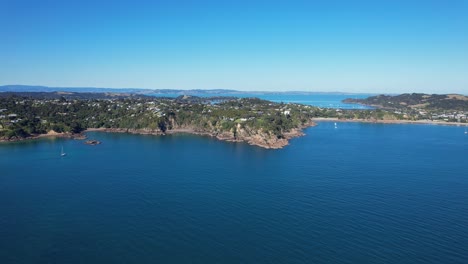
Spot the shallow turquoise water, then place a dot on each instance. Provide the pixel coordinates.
(361, 193)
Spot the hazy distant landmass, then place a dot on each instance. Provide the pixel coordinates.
(70, 95)
(34, 88)
(37, 88)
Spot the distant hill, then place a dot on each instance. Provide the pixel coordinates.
(70, 95)
(33, 88)
(416, 100)
(199, 92)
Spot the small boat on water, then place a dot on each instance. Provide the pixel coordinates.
(62, 154)
(336, 126)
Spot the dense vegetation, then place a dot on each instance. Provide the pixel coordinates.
(417, 106)
(29, 114)
(450, 102)
(22, 116)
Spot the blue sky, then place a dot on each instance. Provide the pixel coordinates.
(351, 46)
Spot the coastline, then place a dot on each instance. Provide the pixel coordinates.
(262, 140)
(259, 139)
(411, 122)
(50, 134)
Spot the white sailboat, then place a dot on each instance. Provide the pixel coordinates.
(62, 154)
(336, 126)
(466, 132)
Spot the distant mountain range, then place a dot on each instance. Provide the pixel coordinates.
(34, 88)
(37, 88)
(71, 95)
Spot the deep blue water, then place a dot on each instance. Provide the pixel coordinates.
(328, 100)
(361, 193)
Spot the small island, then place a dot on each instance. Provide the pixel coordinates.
(92, 142)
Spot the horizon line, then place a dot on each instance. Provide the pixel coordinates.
(212, 89)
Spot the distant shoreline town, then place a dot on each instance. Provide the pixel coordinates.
(31, 115)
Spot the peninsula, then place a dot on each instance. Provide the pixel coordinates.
(29, 115)
(68, 114)
(450, 108)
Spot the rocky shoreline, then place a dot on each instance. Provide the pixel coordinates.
(92, 142)
(247, 135)
(250, 136)
(50, 134)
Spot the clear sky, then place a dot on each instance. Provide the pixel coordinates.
(352, 46)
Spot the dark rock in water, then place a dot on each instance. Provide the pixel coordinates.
(92, 142)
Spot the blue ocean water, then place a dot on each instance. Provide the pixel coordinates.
(328, 100)
(360, 193)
